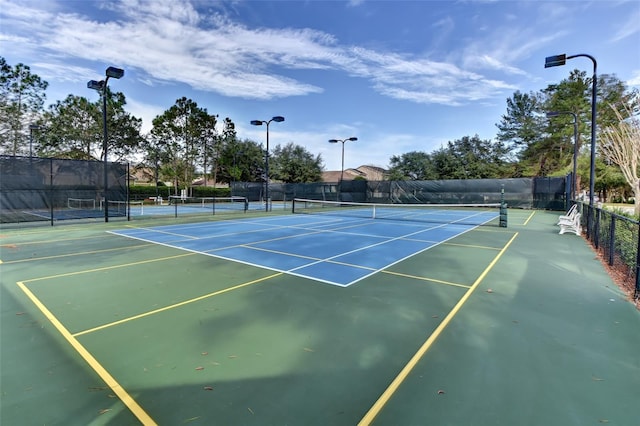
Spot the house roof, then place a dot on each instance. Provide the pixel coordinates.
(366, 172)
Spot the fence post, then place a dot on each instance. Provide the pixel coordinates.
(595, 227)
(612, 239)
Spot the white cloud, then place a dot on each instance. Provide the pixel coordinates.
(634, 81)
(629, 27)
(170, 41)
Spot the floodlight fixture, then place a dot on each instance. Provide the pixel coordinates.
(113, 72)
(96, 85)
(555, 61)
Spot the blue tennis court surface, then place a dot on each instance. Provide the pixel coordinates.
(333, 250)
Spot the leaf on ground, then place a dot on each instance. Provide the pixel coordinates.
(209, 388)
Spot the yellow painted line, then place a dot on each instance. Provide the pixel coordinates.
(106, 268)
(529, 218)
(93, 363)
(471, 246)
(395, 384)
(81, 253)
(176, 305)
(415, 277)
(28, 243)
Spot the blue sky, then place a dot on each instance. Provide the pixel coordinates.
(399, 75)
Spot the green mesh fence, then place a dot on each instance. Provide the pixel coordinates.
(48, 189)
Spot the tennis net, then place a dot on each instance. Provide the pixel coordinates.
(210, 204)
(123, 208)
(465, 214)
(81, 203)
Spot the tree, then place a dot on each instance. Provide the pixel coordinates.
(471, 158)
(621, 144)
(22, 96)
(241, 161)
(294, 164)
(414, 165)
(74, 129)
(224, 152)
(520, 127)
(181, 131)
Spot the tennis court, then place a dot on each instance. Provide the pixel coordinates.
(273, 319)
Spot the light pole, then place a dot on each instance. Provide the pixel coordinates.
(277, 119)
(32, 127)
(353, 139)
(575, 146)
(101, 87)
(557, 60)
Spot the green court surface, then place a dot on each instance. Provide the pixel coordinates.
(497, 326)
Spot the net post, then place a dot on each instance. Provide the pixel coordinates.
(503, 209)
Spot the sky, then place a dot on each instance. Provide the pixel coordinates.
(400, 76)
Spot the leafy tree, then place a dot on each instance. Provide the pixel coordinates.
(466, 158)
(294, 164)
(520, 127)
(241, 161)
(621, 144)
(414, 165)
(546, 146)
(226, 140)
(181, 131)
(74, 129)
(471, 158)
(22, 96)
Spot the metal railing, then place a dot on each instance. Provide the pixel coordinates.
(617, 239)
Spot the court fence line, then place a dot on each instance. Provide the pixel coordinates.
(617, 239)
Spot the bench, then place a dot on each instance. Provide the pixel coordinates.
(570, 215)
(157, 200)
(570, 224)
